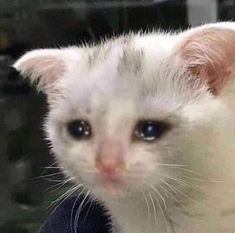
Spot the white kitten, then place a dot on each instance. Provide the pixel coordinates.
(146, 122)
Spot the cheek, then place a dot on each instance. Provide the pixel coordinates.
(82, 155)
(154, 161)
(77, 159)
(142, 161)
(82, 152)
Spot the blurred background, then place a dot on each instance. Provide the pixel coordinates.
(27, 187)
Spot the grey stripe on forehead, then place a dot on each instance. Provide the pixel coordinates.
(130, 61)
(98, 54)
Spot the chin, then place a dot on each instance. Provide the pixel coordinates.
(112, 191)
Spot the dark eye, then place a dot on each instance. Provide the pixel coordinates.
(150, 130)
(79, 129)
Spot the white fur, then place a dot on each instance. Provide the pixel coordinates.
(202, 138)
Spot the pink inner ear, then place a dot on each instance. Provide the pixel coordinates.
(44, 69)
(49, 63)
(210, 54)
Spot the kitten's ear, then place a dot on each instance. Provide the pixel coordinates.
(43, 67)
(209, 53)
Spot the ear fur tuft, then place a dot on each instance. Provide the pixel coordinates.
(43, 67)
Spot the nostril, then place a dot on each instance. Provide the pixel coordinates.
(108, 166)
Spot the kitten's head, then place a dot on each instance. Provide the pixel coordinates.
(129, 114)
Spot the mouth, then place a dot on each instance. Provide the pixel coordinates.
(111, 186)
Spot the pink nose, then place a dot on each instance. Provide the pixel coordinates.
(109, 167)
(109, 160)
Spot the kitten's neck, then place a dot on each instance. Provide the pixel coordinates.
(129, 212)
(138, 214)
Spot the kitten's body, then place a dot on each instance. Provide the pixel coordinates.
(183, 182)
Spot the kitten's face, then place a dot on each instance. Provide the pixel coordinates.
(117, 130)
(127, 115)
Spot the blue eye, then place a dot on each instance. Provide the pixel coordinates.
(150, 130)
(79, 129)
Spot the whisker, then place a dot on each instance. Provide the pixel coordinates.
(182, 182)
(160, 195)
(79, 212)
(54, 180)
(68, 192)
(166, 192)
(50, 189)
(59, 185)
(148, 208)
(66, 197)
(182, 168)
(183, 194)
(52, 167)
(52, 164)
(190, 185)
(89, 208)
(203, 180)
(202, 190)
(172, 189)
(49, 175)
(190, 171)
(154, 211)
(170, 165)
(163, 215)
(74, 204)
(169, 186)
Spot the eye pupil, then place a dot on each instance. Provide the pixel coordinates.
(79, 129)
(150, 130)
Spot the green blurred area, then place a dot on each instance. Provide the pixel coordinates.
(29, 219)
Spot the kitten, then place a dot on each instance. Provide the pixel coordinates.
(146, 123)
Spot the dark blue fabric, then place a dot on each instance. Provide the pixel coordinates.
(93, 218)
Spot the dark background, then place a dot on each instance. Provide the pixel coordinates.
(28, 24)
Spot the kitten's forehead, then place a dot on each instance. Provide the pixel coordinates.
(128, 71)
(120, 62)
